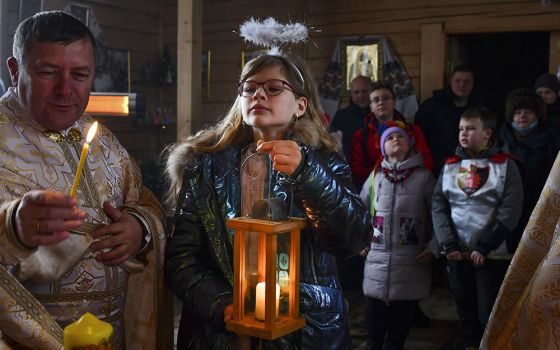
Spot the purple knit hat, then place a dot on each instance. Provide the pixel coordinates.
(390, 131)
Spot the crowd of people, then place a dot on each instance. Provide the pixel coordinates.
(489, 179)
(395, 195)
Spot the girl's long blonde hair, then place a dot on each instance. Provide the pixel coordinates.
(231, 128)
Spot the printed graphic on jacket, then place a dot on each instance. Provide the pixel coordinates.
(377, 223)
(472, 179)
(407, 231)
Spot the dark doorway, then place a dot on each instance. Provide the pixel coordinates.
(501, 62)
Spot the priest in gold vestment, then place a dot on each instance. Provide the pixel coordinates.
(101, 252)
(526, 314)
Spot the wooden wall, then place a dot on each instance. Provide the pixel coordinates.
(9, 10)
(416, 30)
(137, 26)
(142, 27)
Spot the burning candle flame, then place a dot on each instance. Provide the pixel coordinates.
(91, 132)
(83, 156)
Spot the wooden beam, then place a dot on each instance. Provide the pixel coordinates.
(512, 22)
(432, 58)
(554, 55)
(189, 52)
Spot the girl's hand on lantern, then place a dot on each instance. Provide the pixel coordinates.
(45, 218)
(228, 313)
(120, 240)
(285, 155)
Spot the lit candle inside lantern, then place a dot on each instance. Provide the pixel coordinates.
(260, 297)
(83, 156)
(88, 333)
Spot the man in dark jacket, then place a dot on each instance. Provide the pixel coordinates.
(438, 116)
(351, 118)
(547, 87)
(346, 121)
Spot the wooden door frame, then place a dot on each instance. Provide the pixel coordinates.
(434, 43)
(189, 65)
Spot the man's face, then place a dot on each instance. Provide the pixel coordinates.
(55, 81)
(548, 95)
(359, 89)
(462, 84)
(382, 105)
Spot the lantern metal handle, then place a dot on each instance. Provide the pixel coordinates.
(270, 208)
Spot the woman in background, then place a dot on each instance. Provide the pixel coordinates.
(534, 141)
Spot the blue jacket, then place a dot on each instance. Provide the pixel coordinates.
(199, 266)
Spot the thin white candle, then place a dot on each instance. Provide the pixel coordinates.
(260, 297)
(83, 157)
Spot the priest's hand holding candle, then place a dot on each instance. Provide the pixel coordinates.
(83, 157)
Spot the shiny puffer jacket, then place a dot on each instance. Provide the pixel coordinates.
(200, 252)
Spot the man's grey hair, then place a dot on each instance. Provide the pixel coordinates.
(48, 26)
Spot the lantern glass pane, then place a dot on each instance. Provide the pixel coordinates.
(255, 178)
(251, 271)
(283, 268)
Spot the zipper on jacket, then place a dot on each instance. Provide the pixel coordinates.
(391, 218)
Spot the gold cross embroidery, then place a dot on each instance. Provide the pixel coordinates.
(58, 137)
(108, 308)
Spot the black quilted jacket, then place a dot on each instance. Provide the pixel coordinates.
(199, 254)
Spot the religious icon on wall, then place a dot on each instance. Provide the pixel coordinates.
(361, 57)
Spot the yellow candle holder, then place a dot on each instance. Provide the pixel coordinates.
(88, 333)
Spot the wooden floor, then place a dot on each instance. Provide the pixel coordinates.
(440, 335)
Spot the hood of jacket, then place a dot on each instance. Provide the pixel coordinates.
(497, 147)
(410, 162)
(183, 154)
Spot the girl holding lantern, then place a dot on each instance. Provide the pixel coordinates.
(276, 108)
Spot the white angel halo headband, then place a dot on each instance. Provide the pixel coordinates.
(271, 34)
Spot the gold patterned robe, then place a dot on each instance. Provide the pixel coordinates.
(34, 158)
(526, 314)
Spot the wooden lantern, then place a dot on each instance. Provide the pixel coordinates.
(256, 295)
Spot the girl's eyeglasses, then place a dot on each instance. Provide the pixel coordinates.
(272, 87)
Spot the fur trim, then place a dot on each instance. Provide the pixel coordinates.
(182, 154)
